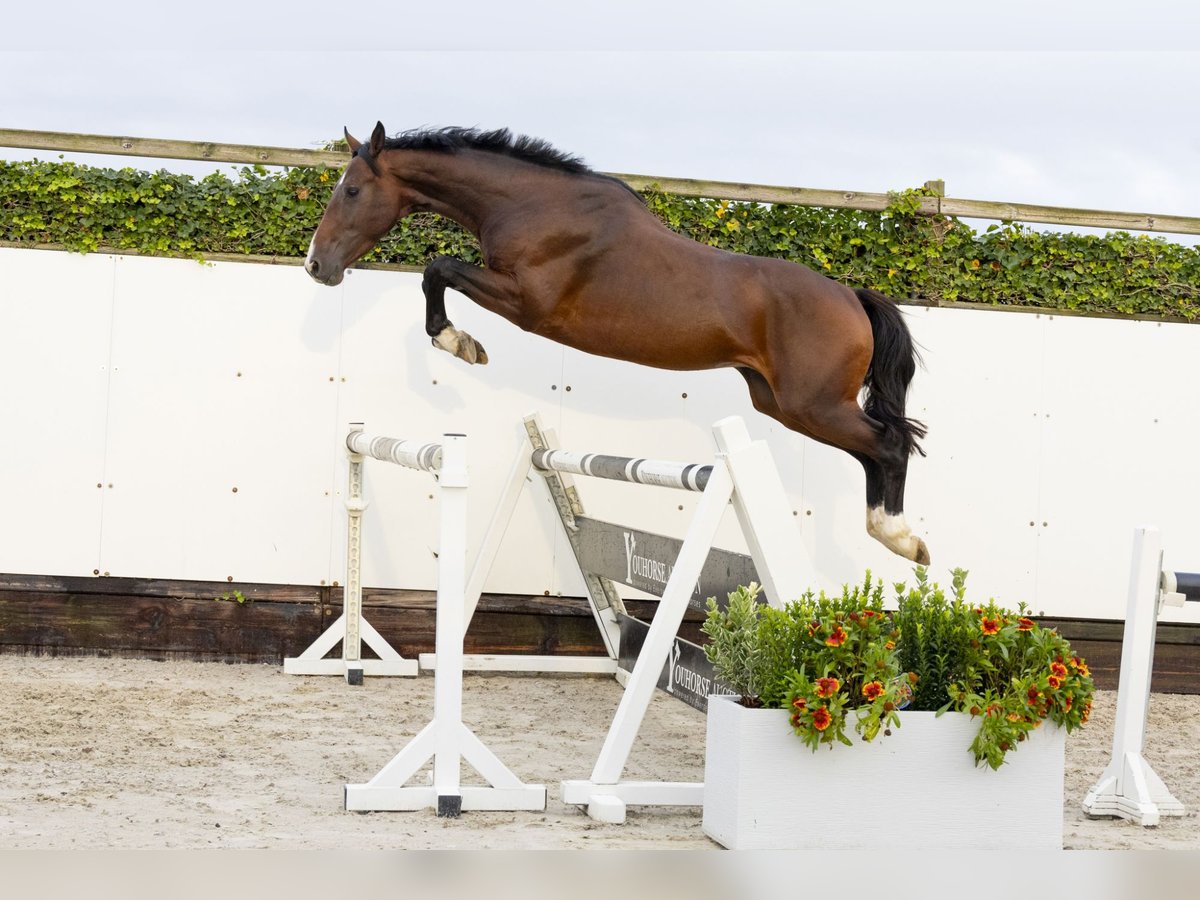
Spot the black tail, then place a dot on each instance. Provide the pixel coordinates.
(893, 365)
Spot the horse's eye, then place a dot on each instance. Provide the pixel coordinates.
(351, 192)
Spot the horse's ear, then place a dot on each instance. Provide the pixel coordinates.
(353, 142)
(377, 138)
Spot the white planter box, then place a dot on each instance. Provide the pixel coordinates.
(915, 788)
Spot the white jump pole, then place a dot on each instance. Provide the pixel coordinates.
(1129, 788)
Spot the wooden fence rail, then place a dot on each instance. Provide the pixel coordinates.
(760, 193)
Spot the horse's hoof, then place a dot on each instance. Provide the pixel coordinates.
(470, 350)
(461, 345)
(922, 555)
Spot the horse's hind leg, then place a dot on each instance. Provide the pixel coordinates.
(844, 425)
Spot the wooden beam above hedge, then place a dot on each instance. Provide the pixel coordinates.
(686, 187)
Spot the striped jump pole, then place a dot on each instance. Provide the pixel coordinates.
(1129, 788)
(682, 476)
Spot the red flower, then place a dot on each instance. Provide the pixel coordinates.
(869, 613)
(837, 638)
(1087, 712)
(890, 645)
(1032, 695)
(1058, 669)
(796, 720)
(1024, 624)
(989, 626)
(799, 703)
(872, 689)
(821, 718)
(827, 687)
(1054, 681)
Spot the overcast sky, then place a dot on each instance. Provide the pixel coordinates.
(1061, 103)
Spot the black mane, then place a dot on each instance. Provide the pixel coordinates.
(529, 149)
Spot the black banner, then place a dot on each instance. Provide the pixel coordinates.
(644, 561)
(687, 676)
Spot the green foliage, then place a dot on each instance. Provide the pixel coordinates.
(995, 665)
(933, 640)
(938, 259)
(844, 662)
(906, 255)
(733, 643)
(233, 597)
(833, 661)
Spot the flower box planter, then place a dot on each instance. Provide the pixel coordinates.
(916, 788)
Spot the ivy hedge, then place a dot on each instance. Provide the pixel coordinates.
(908, 256)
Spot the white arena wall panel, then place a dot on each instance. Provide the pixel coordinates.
(55, 324)
(176, 382)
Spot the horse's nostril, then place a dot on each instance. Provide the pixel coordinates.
(313, 266)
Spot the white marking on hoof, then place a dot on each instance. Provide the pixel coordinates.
(893, 532)
(460, 344)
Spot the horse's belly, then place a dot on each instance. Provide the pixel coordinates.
(647, 341)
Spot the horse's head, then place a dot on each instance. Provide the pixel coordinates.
(364, 206)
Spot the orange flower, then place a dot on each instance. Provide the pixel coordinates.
(1032, 695)
(989, 626)
(1058, 669)
(796, 720)
(1087, 713)
(872, 689)
(1013, 717)
(1080, 666)
(1054, 681)
(799, 703)
(821, 718)
(827, 687)
(837, 638)
(890, 645)
(1024, 624)
(1070, 701)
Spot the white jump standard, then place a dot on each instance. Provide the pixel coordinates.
(743, 474)
(350, 627)
(445, 740)
(1129, 788)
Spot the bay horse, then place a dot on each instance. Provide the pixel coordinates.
(577, 257)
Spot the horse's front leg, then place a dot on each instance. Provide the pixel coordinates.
(439, 275)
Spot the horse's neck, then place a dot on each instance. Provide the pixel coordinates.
(467, 186)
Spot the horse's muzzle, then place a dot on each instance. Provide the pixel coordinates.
(320, 275)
